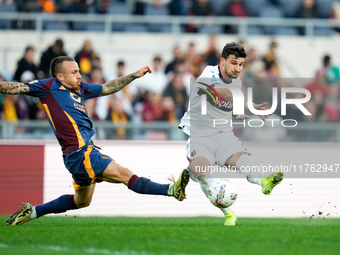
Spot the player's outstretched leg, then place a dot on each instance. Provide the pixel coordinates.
(206, 183)
(28, 212)
(21, 216)
(269, 182)
(143, 185)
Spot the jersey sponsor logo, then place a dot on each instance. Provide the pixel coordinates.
(75, 97)
(214, 98)
(79, 107)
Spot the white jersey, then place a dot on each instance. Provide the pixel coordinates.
(194, 123)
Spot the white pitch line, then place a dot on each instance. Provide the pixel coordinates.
(85, 250)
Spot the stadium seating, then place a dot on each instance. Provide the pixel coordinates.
(4, 8)
(118, 8)
(254, 6)
(254, 30)
(151, 10)
(270, 11)
(131, 27)
(324, 6)
(95, 26)
(55, 25)
(219, 5)
(289, 7)
(210, 29)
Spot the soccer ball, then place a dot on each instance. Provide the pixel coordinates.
(222, 193)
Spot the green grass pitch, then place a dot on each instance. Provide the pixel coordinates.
(170, 236)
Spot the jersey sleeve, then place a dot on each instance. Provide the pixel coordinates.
(35, 88)
(92, 90)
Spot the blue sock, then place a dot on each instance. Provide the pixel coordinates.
(145, 186)
(61, 204)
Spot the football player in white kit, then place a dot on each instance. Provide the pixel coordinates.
(210, 144)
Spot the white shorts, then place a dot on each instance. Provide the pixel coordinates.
(215, 148)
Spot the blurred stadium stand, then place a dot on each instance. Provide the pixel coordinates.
(266, 18)
(260, 11)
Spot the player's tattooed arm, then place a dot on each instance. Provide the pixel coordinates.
(13, 88)
(115, 85)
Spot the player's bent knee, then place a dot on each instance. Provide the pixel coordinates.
(82, 204)
(231, 161)
(116, 173)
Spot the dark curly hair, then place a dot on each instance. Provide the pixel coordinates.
(233, 49)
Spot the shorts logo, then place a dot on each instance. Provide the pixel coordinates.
(105, 157)
(193, 153)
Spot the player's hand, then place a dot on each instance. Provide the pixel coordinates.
(261, 107)
(242, 117)
(141, 72)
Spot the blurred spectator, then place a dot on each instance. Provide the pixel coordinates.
(152, 107)
(335, 13)
(328, 71)
(156, 81)
(253, 64)
(211, 56)
(47, 6)
(292, 111)
(103, 103)
(96, 76)
(176, 90)
(180, 7)
(139, 5)
(15, 107)
(34, 105)
(169, 111)
(28, 5)
(330, 110)
(311, 107)
(307, 10)
(270, 59)
(90, 105)
(118, 116)
(183, 67)
(102, 5)
(199, 8)
(64, 6)
(193, 59)
(73, 6)
(177, 54)
(234, 8)
(318, 84)
(85, 58)
(319, 101)
(56, 50)
(26, 63)
(9, 112)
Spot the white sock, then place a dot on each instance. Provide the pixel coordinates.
(205, 181)
(226, 210)
(33, 214)
(244, 162)
(171, 189)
